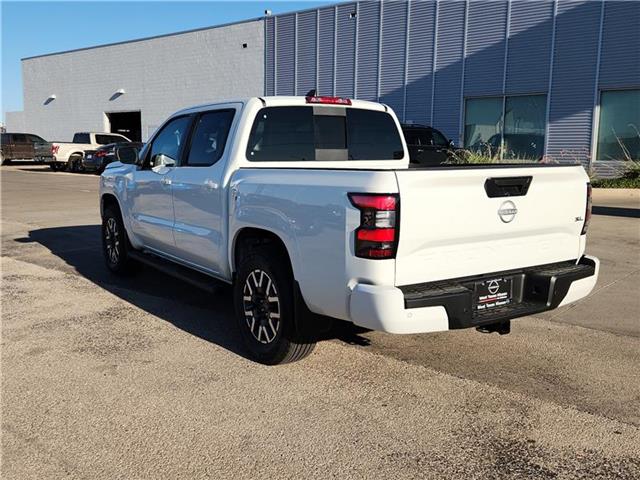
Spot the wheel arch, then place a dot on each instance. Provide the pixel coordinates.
(109, 200)
(248, 237)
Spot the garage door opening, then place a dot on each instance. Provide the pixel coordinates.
(128, 124)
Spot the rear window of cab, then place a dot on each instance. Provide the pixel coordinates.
(308, 133)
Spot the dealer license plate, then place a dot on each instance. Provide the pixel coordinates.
(496, 292)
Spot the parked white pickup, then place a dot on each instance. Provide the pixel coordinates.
(310, 209)
(69, 154)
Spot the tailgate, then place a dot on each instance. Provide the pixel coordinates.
(450, 227)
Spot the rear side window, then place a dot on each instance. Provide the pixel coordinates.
(209, 138)
(81, 138)
(19, 138)
(106, 139)
(322, 133)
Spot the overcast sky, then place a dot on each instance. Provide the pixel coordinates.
(36, 28)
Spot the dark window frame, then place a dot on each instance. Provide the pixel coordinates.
(184, 160)
(256, 120)
(145, 163)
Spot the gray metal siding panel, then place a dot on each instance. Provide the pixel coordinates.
(484, 64)
(528, 58)
(420, 61)
(573, 83)
(285, 50)
(620, 57)
(345, 67)
(269, 61)
(446, 115)
(394, 34)
(306, 52)
(325, 48)
(368, 37)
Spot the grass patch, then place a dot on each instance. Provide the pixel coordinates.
(616, 182)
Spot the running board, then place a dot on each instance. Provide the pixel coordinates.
(193, 277)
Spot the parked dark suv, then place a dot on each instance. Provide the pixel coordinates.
(96, 160)
(428, 146)
(23, 146)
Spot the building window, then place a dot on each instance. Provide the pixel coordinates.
(483, 125)
(509, 128)
(619, 126)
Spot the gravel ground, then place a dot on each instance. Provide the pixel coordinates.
(145, 378)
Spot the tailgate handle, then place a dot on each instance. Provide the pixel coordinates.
(507, 186)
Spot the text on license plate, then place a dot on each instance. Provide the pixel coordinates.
(496, 292)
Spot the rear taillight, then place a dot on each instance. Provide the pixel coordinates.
(329, 100)
(377, 235)
(101, 153)
(55, 148)
(587, 213)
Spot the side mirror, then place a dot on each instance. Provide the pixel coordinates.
(162, 160)
(451, 144)
(128, 155)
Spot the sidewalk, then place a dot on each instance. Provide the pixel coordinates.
(616, 197)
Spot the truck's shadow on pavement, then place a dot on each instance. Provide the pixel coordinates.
(206, 316)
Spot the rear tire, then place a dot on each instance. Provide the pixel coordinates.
(265, 308)
(115, 242)
(75, 163)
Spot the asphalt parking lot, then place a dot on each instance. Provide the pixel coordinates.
(145, 378)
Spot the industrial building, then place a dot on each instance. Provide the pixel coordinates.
(557, 79)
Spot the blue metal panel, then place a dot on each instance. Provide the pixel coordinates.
(325, 51)
(285, 51)
(529, 51)
(450, 46)
(620, 56)
(368, 37)
(420, 61)
(486, 34)
(394, 35)
(269, 61)
(345, 65)
(306, 52)
(573, 83)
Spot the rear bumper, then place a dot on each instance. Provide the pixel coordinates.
(441, 306)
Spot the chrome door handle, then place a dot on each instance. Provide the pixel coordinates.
(165, 181)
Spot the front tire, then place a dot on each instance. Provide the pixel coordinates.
(264, 303)
(115, 243)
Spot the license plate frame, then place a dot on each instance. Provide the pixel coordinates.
(492, 293)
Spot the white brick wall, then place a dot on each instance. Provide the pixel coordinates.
(159, 75)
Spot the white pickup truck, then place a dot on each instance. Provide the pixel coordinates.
(309, 207)
(69, 155)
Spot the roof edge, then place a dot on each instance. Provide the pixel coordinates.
(144, 39)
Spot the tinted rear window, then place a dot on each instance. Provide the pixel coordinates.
(81, 138)
(106, 139)
(297, 134)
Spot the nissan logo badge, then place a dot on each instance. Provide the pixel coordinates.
(507, 211)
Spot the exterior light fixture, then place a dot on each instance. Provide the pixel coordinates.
(117, 93)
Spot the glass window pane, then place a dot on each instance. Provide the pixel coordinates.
(282, 134)
(439, 139)
(330, 132)
(372, 135)
(296, 134)
(209, 137)
(169, 141)
(482, 124)
(619, 128)
(524, 127)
